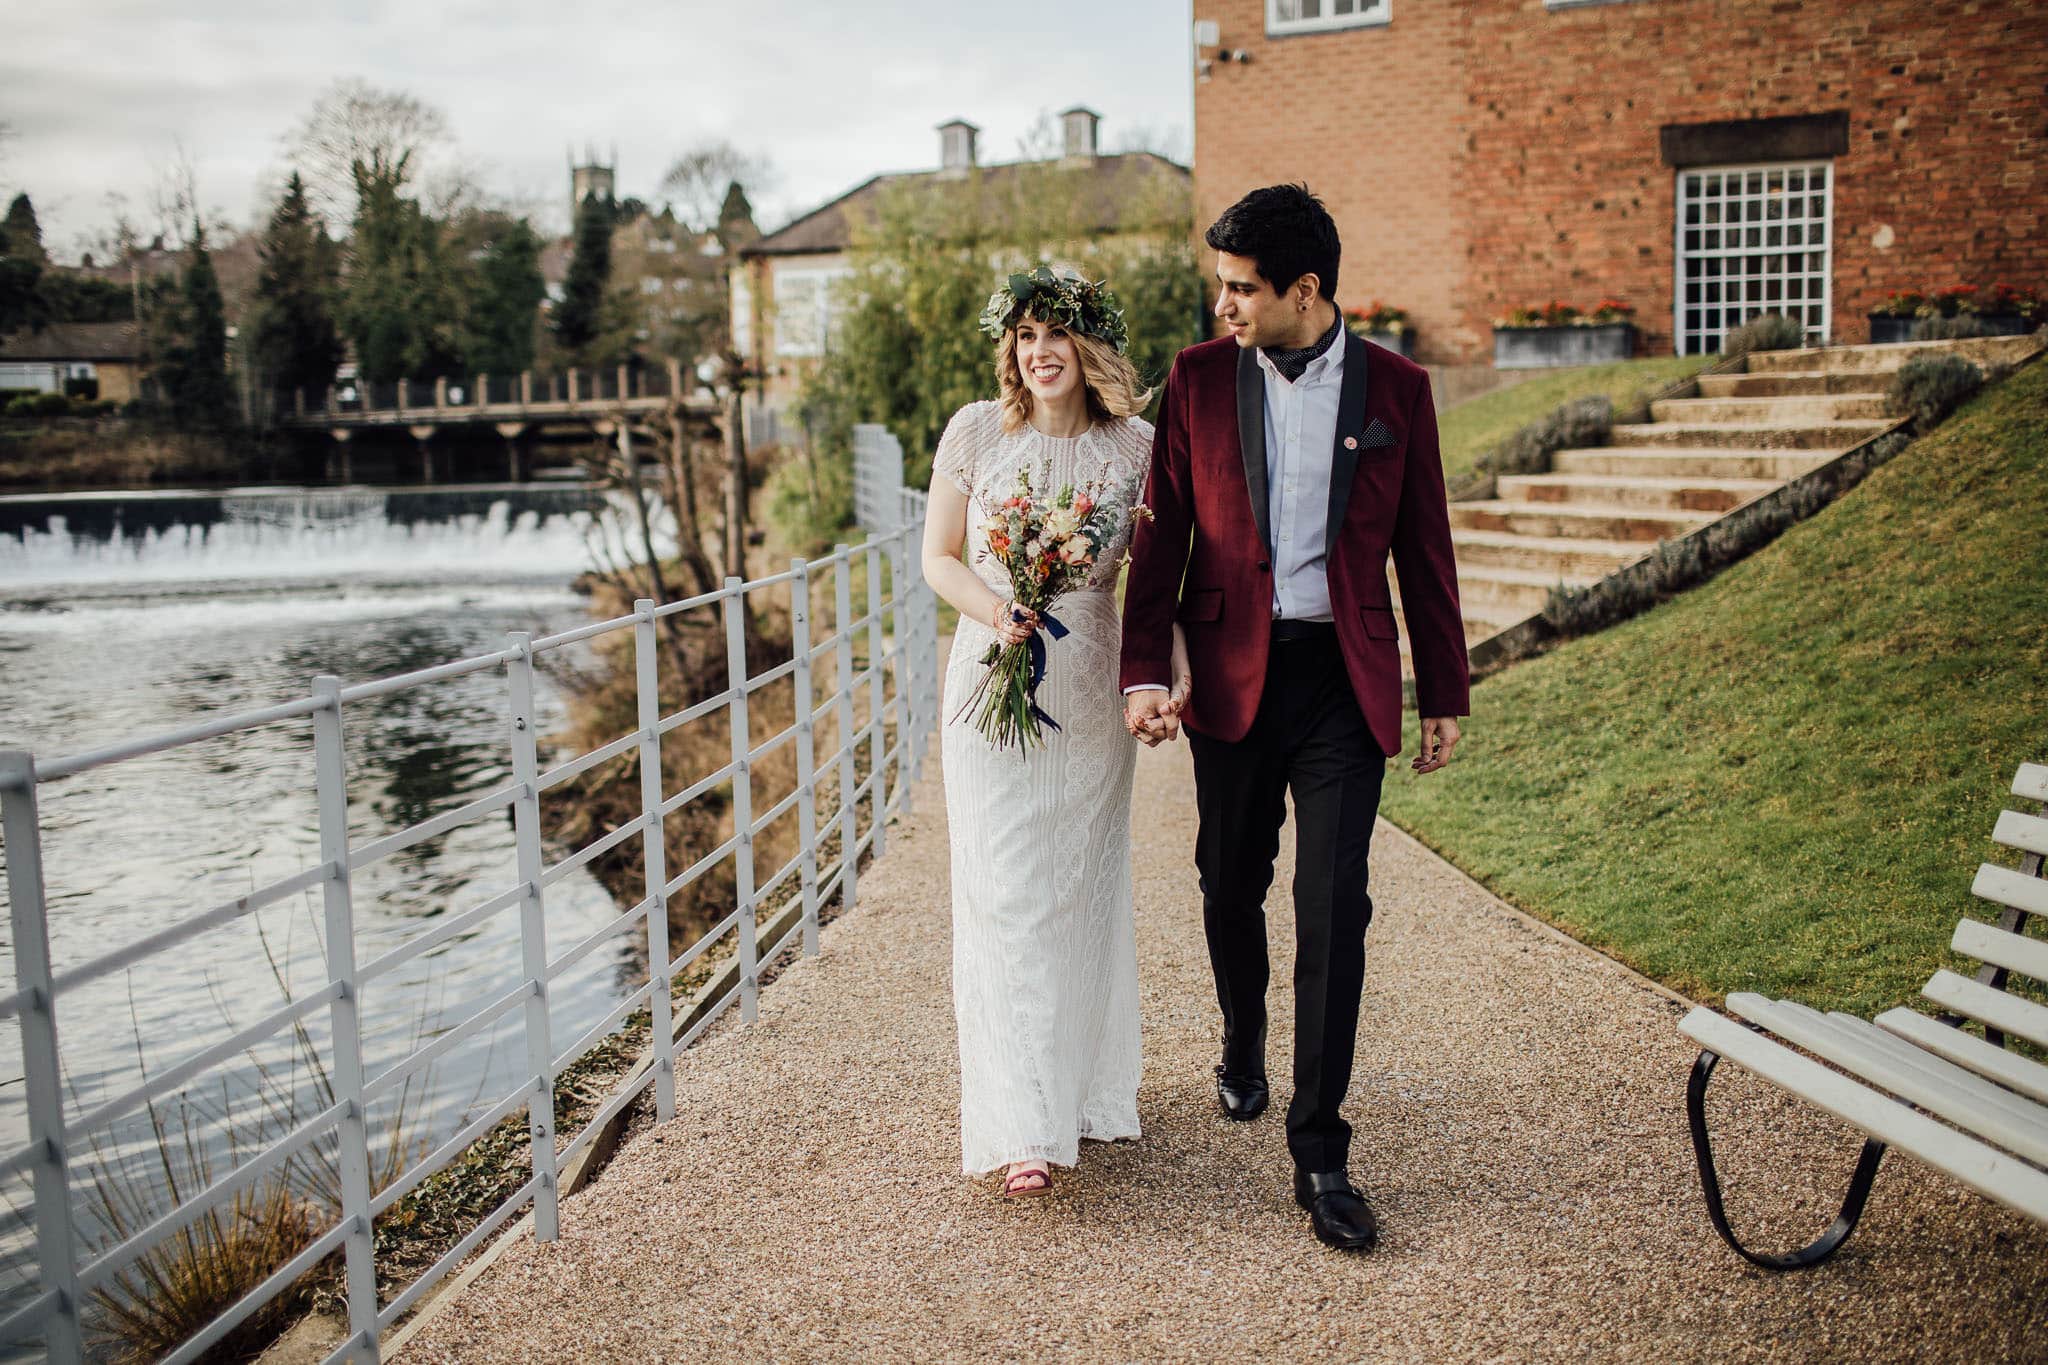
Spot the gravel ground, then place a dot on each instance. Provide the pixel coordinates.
(1520, 1128)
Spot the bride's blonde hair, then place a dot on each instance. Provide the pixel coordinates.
(1108, 379)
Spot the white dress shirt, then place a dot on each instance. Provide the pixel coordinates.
(1301, 435)
(1301, 431)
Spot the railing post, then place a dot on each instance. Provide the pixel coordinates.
(905, 664)
(849, 815)
(878, 708)
(742, 796)
(646, 655)
(441, 392)
(330, 776)
(55, 1245)
(625, 384)
(481, 399)
(533, 939)
(575, 385)
(526, 388)
(806, 750)
(333, 403)
(404, 394)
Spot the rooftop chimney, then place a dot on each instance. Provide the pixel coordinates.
(1079, 124)
(956, 147)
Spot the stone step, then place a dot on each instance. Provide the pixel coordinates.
(1488, 591)
(1775, 465)
(1575, 520)
(1788, 410)
(1794, 383)
(1477, 626)
(1567, 557)
(1698, 493)
(1834, 359)
(1747, 435)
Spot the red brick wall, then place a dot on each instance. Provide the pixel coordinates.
(1478, 154)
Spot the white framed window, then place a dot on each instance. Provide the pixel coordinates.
(1317, 16)
(742, 313)
(1752, 240)
(803, 310)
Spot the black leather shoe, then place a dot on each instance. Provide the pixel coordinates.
(1242, 1098)
(1341, 1217)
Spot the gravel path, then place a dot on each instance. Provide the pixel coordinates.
(1520, 1127)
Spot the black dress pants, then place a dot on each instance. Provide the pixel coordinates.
(1308, 738)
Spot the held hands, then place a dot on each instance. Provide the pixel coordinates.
(1439, 737)
(1152, 714)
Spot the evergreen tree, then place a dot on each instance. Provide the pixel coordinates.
(21, 267)
(505, 294)
(400, 308)
(192, 369)
(581, 314)
(295, 342)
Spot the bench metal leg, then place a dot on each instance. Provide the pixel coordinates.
(1710, 1184)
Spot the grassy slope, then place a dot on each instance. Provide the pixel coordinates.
(1468, 430)
(1784, 780)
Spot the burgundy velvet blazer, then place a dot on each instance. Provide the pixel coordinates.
(1205, 559)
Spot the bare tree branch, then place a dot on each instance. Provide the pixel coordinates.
(354, 122)
(697, 181)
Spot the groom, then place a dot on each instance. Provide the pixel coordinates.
(1290, 459)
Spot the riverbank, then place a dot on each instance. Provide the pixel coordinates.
(114, 452)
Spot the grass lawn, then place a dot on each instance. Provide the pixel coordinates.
(1468, 430)
(1784, 780)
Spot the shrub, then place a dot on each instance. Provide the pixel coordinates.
(1581, 422)
(1949, 329)
(1928, 387)
(1765, 332)
(810, 500)
(24, 406)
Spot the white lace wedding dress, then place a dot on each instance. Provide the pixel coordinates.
(1045, 972)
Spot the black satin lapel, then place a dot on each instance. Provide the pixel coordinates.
(1344, 451)
(1251, 440)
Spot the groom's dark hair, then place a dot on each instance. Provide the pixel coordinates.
(1284, 229)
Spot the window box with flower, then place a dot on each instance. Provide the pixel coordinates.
(1559, 334)
(1383, 325)
(1999, 310)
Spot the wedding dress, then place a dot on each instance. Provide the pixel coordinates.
(1045, 973)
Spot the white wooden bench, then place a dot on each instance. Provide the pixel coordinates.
(1961, 1103)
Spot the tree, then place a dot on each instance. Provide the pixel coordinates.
(700, 183)
(192, 368)
(906, 351)
(21, 267)
(580, 316)
(295, 342)
(504, 295)
(354, 124)
(400, 307)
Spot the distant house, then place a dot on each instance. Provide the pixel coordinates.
(108, 352)
(783, 296)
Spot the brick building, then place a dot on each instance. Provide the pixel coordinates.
(1483, 154)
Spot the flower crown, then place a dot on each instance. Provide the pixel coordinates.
(1069, 301)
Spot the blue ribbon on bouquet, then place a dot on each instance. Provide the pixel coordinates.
(1035, 644)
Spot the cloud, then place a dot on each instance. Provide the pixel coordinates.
(98, 99)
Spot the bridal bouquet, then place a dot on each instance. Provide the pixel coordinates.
(1048, 547)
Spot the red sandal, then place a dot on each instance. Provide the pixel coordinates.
(1024, 1184)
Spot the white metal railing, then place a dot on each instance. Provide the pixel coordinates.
(900, 626)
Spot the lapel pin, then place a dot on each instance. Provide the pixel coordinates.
(1351, 443)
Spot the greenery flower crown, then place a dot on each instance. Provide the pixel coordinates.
(1085, 306)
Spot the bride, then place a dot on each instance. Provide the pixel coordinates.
(1045, 976)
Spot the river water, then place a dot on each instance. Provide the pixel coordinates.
(133, 614)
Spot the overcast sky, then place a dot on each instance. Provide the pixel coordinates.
(98, 97)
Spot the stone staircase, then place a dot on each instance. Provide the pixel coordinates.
(1744, 435)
